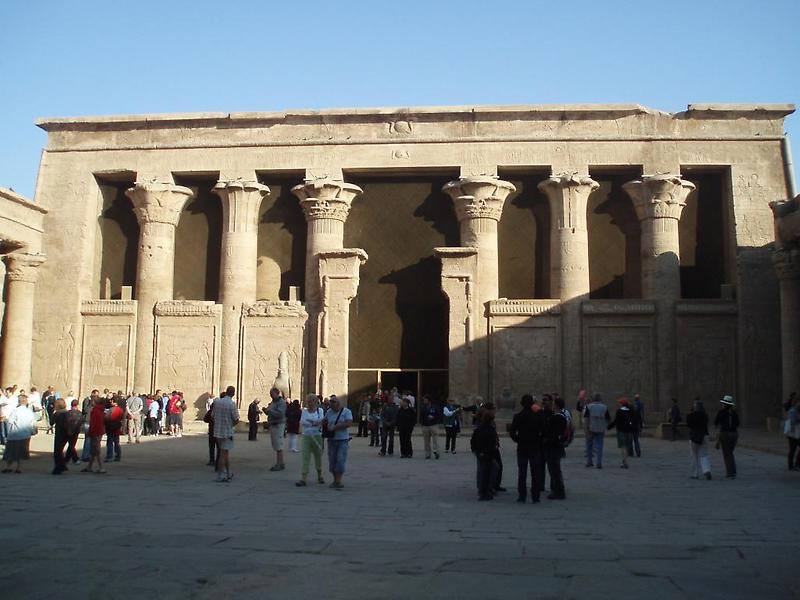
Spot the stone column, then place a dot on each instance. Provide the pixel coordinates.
(478, 202)
(338, 284)
(459, 275)
(21, 270)
(326, 204)
(659, 201)
(241, 201)
(568, 195)
(158, 207)
(787, 268)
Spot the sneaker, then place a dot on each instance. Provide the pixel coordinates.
(337, 485)
(436, 455)
(301, 483)
(587, 465)
(275, 468)
(222, 480)
(320, 480)
(708, 476)
(452, 451)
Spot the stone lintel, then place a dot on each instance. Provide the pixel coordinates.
(275, 308)
(618, 307)
(187, 308)
(523, 307)
(706, 307)
(108, 307)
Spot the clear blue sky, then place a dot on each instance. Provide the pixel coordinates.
(93, 57)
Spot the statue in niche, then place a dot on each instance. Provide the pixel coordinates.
(283, 381)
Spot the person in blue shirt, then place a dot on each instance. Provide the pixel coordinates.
(338, 420)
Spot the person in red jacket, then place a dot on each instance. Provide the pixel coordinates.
(96, 431)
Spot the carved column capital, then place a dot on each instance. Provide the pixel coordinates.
(660, 196)
(326, 198)
(23, 267)
(787, 263)
(478, 197)
(158, 202)
(568, 194)
(241, 201)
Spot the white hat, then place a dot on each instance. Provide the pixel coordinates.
(727, 400)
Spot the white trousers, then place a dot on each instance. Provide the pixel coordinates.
(701, 464)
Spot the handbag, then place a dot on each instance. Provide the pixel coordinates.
(329, 433)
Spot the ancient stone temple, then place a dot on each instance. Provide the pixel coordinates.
(477, 251)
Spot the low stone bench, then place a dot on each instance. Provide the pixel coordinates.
(664, 431)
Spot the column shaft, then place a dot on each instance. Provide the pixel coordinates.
(157, 207)
(659, 201)
(241, 201)
(568, 195)
(787, 266)
(18, 336)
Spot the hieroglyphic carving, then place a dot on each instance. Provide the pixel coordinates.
(618, 307)
(401, 127)
(524, 361)
(706, 357)
(263, 347)
(523, 307)
(274, 308)
(187, 308)
(706, 307)
(185, 356)
(618, 360)
(106, 356)
(65, 352)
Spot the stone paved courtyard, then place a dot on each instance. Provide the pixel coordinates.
(158, 524)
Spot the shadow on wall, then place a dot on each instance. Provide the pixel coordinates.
(282, 232)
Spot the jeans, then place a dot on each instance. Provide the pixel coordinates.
(373, 436)
(529, 458)
(486, 476)
(112, 446)
(794, 455)
(337, 455)
(86, 453)
(727, 441)
(387, 432)
(552, 457)
(594, 447)
(450, 435)
(636, 447)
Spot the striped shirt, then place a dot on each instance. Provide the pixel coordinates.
(225, 415)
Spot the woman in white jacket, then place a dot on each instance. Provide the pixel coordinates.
(21, 426)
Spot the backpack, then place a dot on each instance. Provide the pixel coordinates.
(569, 430)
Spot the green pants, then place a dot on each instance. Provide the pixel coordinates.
(311, 445)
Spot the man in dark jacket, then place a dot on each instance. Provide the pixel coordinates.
(253, 417)
(553, 428)
(388, 423)
(728, 422)
(526, 431)
(484, 445)
(406, 419)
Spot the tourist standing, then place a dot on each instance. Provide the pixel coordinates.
(526, 432)
(638, 406)
(253, 417)
(406, 419)
(363, 417)
(95, 434)
(338, 419)
(791, 430)
(430, 417)
(113, 417)
(225, 416)
(21, 425)
(388, 423)
(452, 425)
(293, 415)
(484, 445)
(49, 398)
(67, 426)
(87, 407)
(153, 413)
(276, 414)
(311, 439)
(553, 426)
(674, 418)
(697, 422)
(638, 425)
(727, 420)
(624, 423)
(209, 418)
(374, 421)
(134, 408)
(596, 418)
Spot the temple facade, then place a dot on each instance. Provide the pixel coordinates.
(462, 251)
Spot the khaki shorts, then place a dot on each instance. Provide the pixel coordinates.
(276, 436)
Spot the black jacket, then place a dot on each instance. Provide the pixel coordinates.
(484, 441)
(526, 429)
(252, 412)
(553, 426)
(727, 420)
(697, 422)
(406, 419)
(624, 420)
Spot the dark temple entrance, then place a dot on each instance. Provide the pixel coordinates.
(399, 319)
